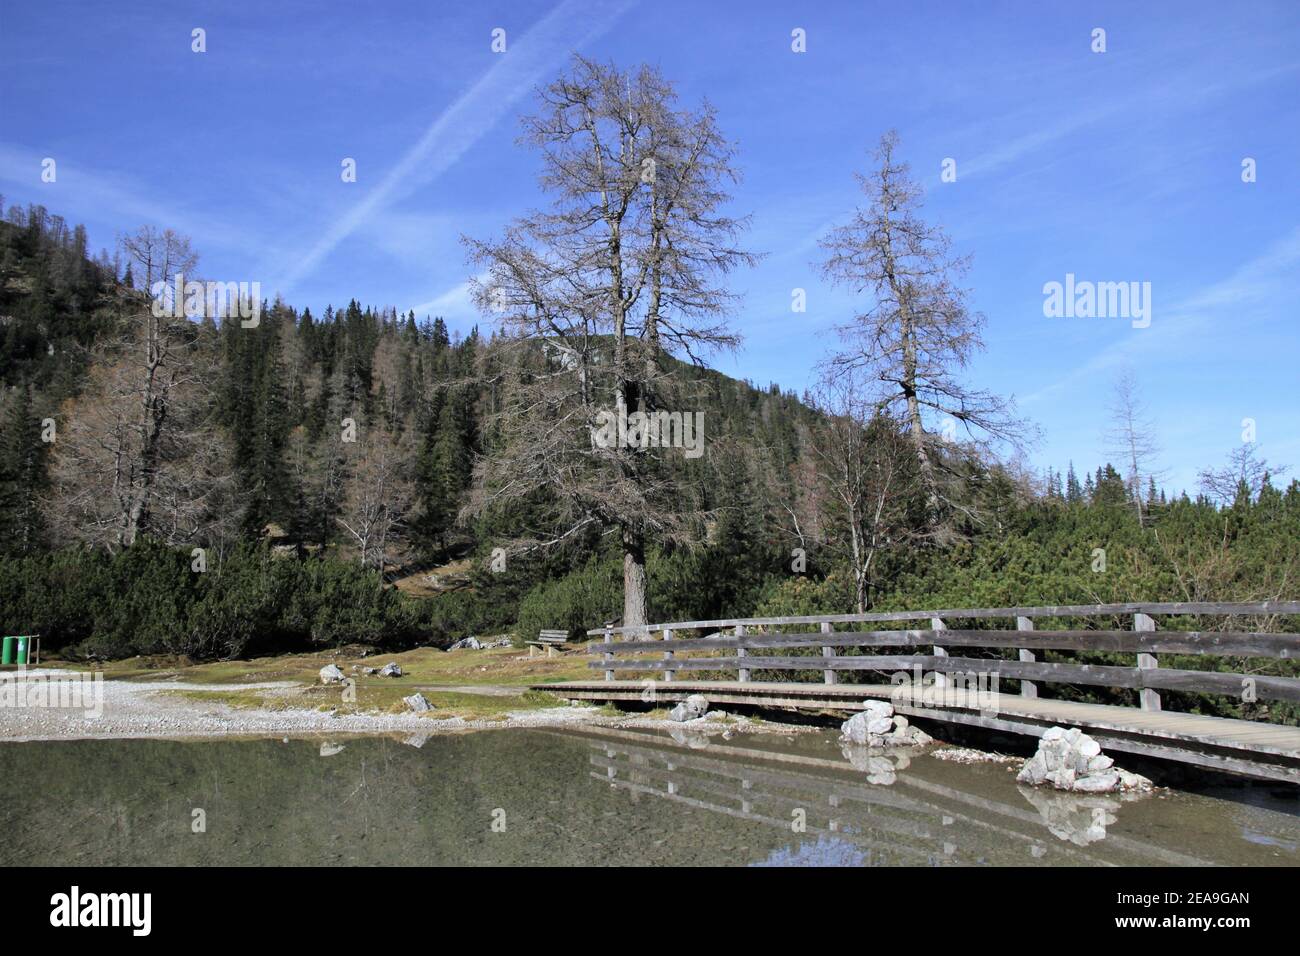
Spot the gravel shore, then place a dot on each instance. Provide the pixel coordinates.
(138, 710)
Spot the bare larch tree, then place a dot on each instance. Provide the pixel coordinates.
(1246, 470)
(874, 501)
(598, 299)
(377, 492)
(917, 334)
(1132, 438)
(138, 451)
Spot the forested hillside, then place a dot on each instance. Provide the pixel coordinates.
(300, 528)
(309, 460)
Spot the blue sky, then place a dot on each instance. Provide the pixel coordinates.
(1115, 166)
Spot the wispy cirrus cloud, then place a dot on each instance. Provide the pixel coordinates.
(110, 197)
(512, 76)
(456, 301)
(1246, 297)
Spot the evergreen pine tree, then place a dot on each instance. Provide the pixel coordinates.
(22, 476)
(1073, 493)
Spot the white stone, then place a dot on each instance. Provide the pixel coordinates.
(692, 708)
(1062, 779)
(1103, 782)
(878, 708)
(1034, 772)
(417, 703)
(1133, 781)
(880, 725)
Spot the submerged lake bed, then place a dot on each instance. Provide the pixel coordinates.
(595, 796)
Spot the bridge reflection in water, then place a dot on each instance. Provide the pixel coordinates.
(896, 807)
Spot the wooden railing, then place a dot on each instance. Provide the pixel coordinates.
(741, 636)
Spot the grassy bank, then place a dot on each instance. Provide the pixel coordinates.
(480, 685)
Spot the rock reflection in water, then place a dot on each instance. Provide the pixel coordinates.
(1080, 819)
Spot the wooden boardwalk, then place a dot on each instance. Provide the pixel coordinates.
(1265, 751)
(1257, 749)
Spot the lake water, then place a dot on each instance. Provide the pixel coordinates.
(591, 797)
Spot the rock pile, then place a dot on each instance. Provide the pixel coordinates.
(1071, 760)
(474, 644)
(878, 726)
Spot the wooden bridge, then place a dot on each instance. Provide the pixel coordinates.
(805, 673)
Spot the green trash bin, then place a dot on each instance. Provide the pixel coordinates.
(7, 651)
(21, 650)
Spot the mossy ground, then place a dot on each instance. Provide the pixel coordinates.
(424, 665)
(379, 700)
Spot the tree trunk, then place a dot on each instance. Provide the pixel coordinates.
(634, 579)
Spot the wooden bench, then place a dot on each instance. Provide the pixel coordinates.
(550, 640)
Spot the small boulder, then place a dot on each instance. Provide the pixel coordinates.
(418, 703)
(391, 669)
(1034, 772)
(878, 708)
(1062, 778)
(880, 725)
(1133, 781)
(1103, 782)
(330, 674)
(854, 730)
(910, 736)
(692, 708)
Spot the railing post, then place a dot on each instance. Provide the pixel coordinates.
(741, 652)
(828, 675)
(668, 655)
(609, 641)
(1150, 698)
(1027, 688)
(940, 679)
